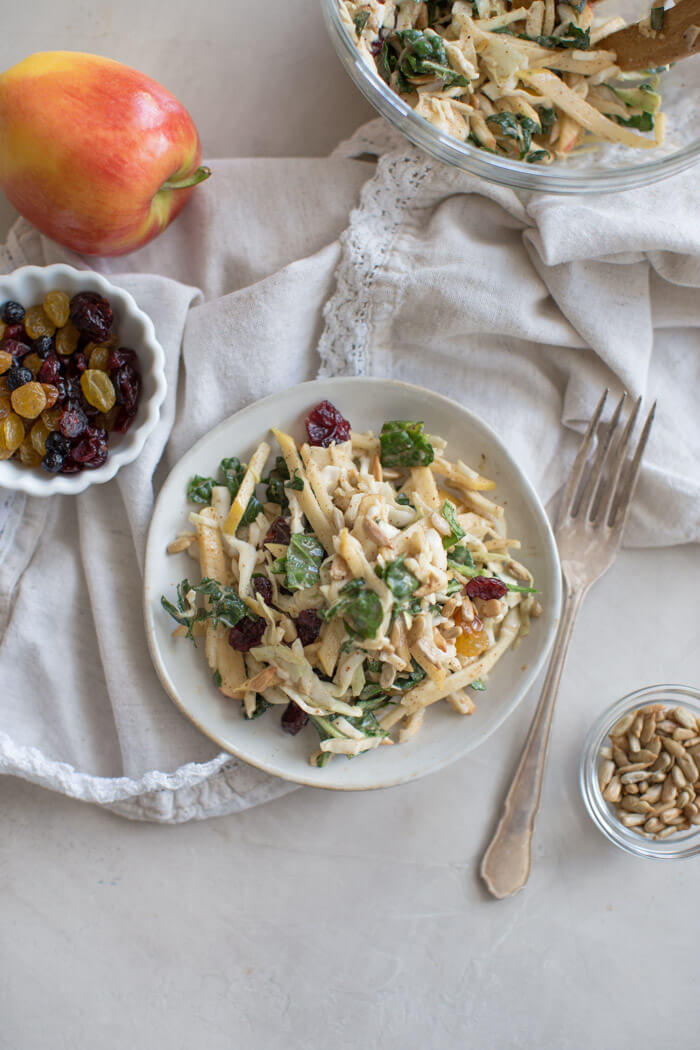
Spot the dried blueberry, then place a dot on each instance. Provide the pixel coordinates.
(52, 461)
(17, 377)
(293, 718)
(56, 442)
(92, 315)
(43, 346)
(12, 312)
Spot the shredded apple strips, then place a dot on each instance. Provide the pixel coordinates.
(373, 578)
(526, 81)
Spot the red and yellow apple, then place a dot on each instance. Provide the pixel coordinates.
(96, 155)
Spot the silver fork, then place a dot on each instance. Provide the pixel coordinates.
(588, 531)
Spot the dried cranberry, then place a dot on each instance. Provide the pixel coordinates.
(324, 425)
(122, 356)
(98, 459)
(15, 347)
(70, 466)
(84, 451)
(262, 586)
(308, 626)
(72, 422)
(486, 587)
(92, 315)
(293, 718)
(76, 364)
(50, 371)
(15, 331)
(247, 633)
(127, 385)
(280, 532)
(123, 420)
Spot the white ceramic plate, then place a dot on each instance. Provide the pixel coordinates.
(445, 736)
(28, 286)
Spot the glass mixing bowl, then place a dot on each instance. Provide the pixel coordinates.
(610, 168)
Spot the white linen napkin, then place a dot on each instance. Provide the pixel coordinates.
(521, 306)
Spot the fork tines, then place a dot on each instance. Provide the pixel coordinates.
(600, 492)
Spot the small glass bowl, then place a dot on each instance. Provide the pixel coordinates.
(602, 813)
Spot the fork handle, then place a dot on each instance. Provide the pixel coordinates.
(506, 864)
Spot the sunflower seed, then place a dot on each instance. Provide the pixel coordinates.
(647, 757)
(663, 762)
(653, 794)
(666, 726)
(605, 773)
(633, 820)
(637, 724)
(669, 790)
(635, 805)
(633, 742)
(684, 718)
(654, 746)
(624, 724)
(690, 810)
(666, 832)
(679, 778)
(683, 735)
(620, 756)
(633, 778)
(657, 778)
(613, 791)
(648, 730)
(632, 789)
(669, 815)
(683, 798)
(606, 752)
(633, 767)
(653, 824)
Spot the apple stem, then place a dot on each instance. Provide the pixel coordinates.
(199, 175)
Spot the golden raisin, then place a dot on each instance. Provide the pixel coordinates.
(11, 433)
(57, 308)
(28, 454)
(5, 405)
(3, 386)
(67, 339)
(33, 362)
(5, 361)
(98, 358)
(51, 394)
(50, 417)
(97, 389)
(473, 640)
(29, 400)
(36, 323)
(38, 436)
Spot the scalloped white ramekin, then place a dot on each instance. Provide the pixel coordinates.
(28, 286)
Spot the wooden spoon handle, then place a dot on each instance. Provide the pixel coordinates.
(679, 38)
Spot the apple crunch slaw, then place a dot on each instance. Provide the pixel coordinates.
(361, 580)
(526, 81)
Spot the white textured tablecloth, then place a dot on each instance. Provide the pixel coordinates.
(520, 306)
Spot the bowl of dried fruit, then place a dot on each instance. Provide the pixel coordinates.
(640, 772)
(82, 379)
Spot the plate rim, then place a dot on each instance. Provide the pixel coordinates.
(550, 552)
